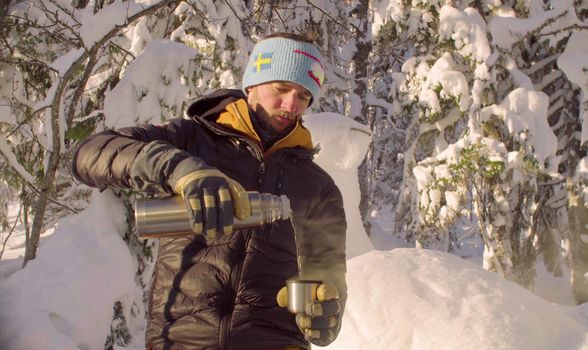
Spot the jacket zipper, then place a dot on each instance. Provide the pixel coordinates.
(225, 325)
(261, 176)
(258, 154)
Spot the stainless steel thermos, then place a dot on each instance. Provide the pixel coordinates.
(168, 217)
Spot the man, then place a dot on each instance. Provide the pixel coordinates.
(219, 289)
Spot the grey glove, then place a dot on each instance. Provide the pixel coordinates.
(213, 199)
(321, 322)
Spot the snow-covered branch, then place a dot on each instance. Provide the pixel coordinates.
(12, 161)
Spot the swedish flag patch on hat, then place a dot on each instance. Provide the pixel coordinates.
(263, 61)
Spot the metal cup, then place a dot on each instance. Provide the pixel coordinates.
(301, 293)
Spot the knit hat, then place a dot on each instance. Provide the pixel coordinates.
(285, 60)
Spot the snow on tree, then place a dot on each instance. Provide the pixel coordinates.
(69, 69)
(490, 119)
(476, 107)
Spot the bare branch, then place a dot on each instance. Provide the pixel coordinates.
(25, 121)
(352, 32)
(573, 27)
(47, 29)
(280, 17)
(87, 60)
(10, 232)
(53, 200)
(233, 10)
(122, 49)
(66, 11)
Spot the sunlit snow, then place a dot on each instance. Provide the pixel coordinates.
(398, 299)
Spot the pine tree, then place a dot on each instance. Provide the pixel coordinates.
(463, 161)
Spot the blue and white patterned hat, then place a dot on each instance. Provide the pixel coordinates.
(285, 59)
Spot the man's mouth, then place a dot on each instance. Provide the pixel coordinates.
(286, 116)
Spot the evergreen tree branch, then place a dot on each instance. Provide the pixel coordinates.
(12, 161)
(25, 121)
(86, 60)
(49, 29)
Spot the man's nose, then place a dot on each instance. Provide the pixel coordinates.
(289, 102)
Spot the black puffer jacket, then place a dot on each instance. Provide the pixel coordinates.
(221, 294)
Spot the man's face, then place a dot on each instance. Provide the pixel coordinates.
(278, 105)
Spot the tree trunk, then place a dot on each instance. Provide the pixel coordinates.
(360, 58)
(360, 61)
(87, 61)
(578, 219)
(39, 210)
(4, 4)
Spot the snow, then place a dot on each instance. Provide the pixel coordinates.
(507, 29)
(385, 11)
(96, 26)
(423, 299)
(344, 143)
(468, 29)
(399, 298)
(525, 115)
(574, 63)
(10, 158)
(442, 81)
(63, 299)
(63, 63)
(139, 97)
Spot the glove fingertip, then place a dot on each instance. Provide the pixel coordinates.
(315, 309)
(241, 202)
(211, 233)
(327, 292)
(282, 297)
(194, 203)
(310, 334)
(303, 321)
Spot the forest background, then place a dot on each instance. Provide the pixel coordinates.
(476, 108)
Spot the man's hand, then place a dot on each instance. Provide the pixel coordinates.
(212, 199)
(321, 322)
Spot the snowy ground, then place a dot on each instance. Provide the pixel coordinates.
(399, 297)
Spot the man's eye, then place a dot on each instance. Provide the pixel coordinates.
(305, 97)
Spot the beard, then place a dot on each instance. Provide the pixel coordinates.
(270, 122)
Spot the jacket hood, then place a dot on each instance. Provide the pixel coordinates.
(229, 109)
(210, 106)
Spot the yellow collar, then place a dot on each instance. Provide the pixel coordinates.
(236, 117)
